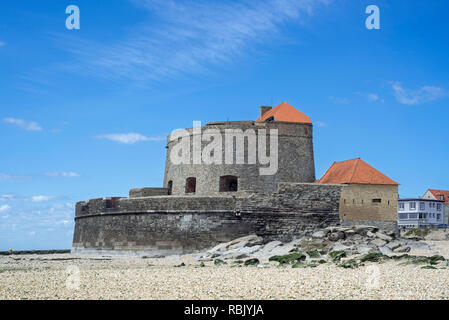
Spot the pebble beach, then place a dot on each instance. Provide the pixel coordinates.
(66, 276)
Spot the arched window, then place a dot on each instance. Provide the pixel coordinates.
(228, 184)
(170, 187)
(191, 185)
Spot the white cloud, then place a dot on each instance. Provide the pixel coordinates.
(10, 177)
(2, 43)
(128, 138)
(185, 37)
(4, 197)
(4, 208)
(27, 125)
(69, 174)
(414, 97)
(320, 124)
(41, 198)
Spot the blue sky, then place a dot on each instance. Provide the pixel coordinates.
(84, 113)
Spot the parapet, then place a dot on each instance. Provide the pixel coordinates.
(147, 192)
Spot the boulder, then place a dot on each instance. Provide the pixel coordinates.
(378, 242)
(320, 234)
(249, 241)
(370, 234)
(402, 249)
(363, 249)
(335, 236)
(383, 236)
(385, 250)
(361, 229)
(350, 233)
(393, 245)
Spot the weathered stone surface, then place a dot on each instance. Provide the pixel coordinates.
(172, 224)
(362, 249)
(378, 242)
(383, 236)
(385, 250)
(402, 249)
(393, 245)
(320, 234)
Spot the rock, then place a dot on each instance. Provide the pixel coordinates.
(335, 236)
(337, 255)
(393, 245)
(363, 249)
(370, 234)
(378, 242)
(238, 245)
(363, 230)
(249, 241)
(356, 237)
(271, 245)
(252, 262)
(320, 234)
(340, 247)
(350, 233)
(402, 249)
(283, 250)
(383, 236)
(289, 258)
(385, 250)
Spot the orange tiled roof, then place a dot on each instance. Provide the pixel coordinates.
(438, 193)
(355, 171)
(285, 113)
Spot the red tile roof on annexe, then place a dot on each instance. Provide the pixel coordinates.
(355, 171)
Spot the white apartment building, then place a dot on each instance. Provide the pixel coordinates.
(440, 195)
(420, 213)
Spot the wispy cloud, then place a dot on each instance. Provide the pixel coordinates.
(185, 37)
(320, 124)
(2, 44)
(27, 125)
(4, 208)
(128, 138)
(69, 174)
(414, 97)
(371, 97)
(12, 177)
(41, 198)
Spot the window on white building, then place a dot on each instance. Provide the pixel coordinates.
(412, 205)
(439, 206)
(401, 205)
(438, 216)
(422, 206)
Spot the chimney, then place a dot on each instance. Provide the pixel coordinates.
(264, 109)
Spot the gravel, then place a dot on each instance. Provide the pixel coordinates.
(56, 277)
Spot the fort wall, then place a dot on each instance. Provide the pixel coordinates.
(173, 224)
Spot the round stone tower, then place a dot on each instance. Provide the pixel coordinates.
(247, 156)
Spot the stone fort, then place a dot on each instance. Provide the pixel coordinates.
(201, 204)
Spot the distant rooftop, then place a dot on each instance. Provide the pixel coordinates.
(438, 193)
(285, 113)
(355, 171)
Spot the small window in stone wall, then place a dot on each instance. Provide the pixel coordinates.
(191, 185)
(111, 203)
(377, 200)
(170, 187)
(228, 184)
